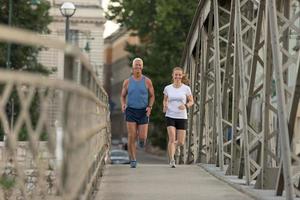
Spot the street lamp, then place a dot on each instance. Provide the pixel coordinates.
(67, 9)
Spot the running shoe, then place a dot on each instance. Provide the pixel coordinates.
(141, 144)
(172, 164)
(133, 163)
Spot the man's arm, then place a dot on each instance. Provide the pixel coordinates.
(151, 93)
(165, 103)
(123, 95)
(151, 96)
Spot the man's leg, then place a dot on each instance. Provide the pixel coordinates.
(142, 134)
(131, 129)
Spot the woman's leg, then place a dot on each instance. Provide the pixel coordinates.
(171, 143)
(181, 137)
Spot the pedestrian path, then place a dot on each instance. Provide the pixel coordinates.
(239, 184)
(160, 182)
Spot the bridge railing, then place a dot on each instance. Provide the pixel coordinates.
(243, 59)
(56, 132)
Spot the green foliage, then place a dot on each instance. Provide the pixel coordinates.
(23, 16)
(7, 182)
(162, 27)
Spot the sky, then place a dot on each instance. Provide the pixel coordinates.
(110, 26)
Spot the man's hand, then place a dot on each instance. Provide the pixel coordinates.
(148, 111)
(123, 108)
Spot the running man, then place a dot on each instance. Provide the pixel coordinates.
(137, 99)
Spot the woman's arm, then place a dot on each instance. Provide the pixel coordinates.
(190, 101)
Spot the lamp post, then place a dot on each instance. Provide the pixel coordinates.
(67, 9)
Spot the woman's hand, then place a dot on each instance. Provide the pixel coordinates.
(165, 108)
(182, 107)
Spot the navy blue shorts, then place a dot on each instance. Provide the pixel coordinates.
(136, 115)
(180, 124)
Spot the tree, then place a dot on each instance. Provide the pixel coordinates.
(24, 16)
(162, 27)
(24, 57)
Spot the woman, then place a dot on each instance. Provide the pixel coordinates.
(177, 99)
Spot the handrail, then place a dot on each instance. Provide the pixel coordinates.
(66, 122)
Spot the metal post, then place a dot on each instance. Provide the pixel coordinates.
(204, 84)
(69, 61)
(202, 96)
(240, 62)
(228, 64)
(235, 115)
(8, 61)
(268, 67)
(218, 86)
(10, 7)
(283, 126)
(67, 29)
(226, 86)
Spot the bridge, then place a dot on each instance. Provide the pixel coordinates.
(242, 57)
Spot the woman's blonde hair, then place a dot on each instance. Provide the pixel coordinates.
(185, 80)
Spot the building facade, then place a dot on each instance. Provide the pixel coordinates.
(117, 69)
(86, 32)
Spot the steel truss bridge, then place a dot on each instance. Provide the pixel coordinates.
(242, 57)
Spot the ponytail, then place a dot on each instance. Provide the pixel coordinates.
(185, 80)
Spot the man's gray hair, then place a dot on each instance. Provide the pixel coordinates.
(137, 59)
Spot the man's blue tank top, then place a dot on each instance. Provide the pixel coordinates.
(137, 93)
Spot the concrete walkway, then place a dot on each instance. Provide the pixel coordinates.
(160, 182)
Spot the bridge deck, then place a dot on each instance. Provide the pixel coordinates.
(160, 182)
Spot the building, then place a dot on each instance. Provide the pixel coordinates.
(117, 69)
(86, 32)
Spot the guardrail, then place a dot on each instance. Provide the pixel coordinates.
(66, 123)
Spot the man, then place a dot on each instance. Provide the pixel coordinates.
(140, 98)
